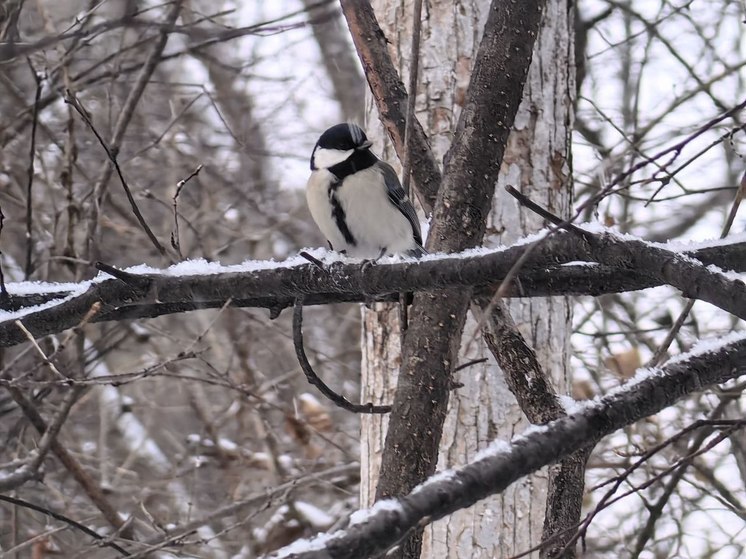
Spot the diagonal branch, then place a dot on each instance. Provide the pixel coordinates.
(123, 121)
(432, 341)
(104, 542)
(391, 99)
(84, 479)
(388, 523)
(29, 471)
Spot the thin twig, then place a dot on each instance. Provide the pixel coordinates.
(66, 520)
(175, 235)
(40, 351)
(470, 363)
(412, 97)
(314, 379)
(257, 500)
(22, 475)
(581, 526)
(312, 259)
(506, 282)
(558, 222)
(82, 477)
(656, 509)
(30, 173)
(4, 296)
(660, 352)
(111, 153)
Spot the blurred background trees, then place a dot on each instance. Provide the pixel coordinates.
(216, 410)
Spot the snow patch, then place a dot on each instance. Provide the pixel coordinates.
(570, 405)
(709, 345)
(445, 475)
(493, 449)
(314, 515)
(316, 543)
(361, 516)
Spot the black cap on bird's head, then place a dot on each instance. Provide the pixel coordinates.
(343, 137)
(340, 138)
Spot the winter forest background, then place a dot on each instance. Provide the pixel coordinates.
(166, 431)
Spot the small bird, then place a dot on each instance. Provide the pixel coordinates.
(357, 200)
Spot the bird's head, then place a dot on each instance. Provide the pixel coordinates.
(338, 144)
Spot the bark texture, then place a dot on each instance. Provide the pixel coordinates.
(494, 69)
(503, 465)
(536, 161)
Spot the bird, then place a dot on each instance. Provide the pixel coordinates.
(357, 200)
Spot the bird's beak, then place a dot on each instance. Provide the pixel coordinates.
(364, 145)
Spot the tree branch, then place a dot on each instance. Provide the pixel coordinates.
(69, 521)
(391, 98)
(388, 523)
(313, 378)
(545, 272)
(432, 341)
(84, 479)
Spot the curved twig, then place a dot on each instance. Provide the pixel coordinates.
(314, 379)
(69, 521)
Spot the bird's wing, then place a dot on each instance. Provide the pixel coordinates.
(400, 199)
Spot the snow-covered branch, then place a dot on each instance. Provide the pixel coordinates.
(373, 531)
(558, 265)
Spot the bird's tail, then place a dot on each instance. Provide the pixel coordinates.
(417, 252)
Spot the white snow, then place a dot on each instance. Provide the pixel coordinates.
(494, 448)
(316, 543)
(708, 345)
(314, 515)
(443, 475)
(35, 287)
(360, 516)
(570, 405)
(227, 445)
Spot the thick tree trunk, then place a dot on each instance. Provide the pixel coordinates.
(537, 163)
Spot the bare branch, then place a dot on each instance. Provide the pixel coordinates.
(69, 521)
(31, 470)
(175, 243)
(391, 98)
(30, 173)
(628, 265)
(123, 120)
(84, 479)
(111, 153)
(384, 526)
(314, 379)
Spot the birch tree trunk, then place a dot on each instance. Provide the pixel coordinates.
(537, 163)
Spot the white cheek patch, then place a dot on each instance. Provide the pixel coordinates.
(324, 158)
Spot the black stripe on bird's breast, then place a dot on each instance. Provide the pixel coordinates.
(358, 161)
(338, 214)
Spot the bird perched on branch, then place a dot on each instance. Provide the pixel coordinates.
(357, 200)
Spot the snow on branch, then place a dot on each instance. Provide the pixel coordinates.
(557, 265)
(376, 530)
